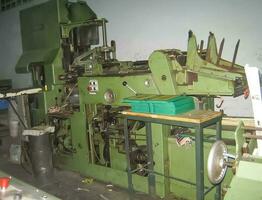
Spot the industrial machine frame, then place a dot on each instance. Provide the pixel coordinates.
(83, 87)
(176, 121)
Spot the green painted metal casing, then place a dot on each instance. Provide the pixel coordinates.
(42, 46)
(168, 156)
(246, 184)
(41, 32)
(40, 35)
(167, 75)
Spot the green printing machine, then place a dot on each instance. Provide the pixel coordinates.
(85, 87)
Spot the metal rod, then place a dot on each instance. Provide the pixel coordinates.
(235, 53)
(151, 176)
(124, 83)
(208, 47)
(251, 128)
(201, 47)
(218, 130)
(129, 175)
(218, 137)
(91, 143)
(172, 177)
(199, 164)
(131, 89)
(104, 32)
(221, 47)
(209, 189)
(175, 178)
(113, 45)
(257, 137)
(116, 138)
(19, 118)
(227, 155)
(137, 169)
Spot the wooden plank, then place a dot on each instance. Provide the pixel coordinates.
(258, 137)
(195, 116)
(234, 121)
(19, 92)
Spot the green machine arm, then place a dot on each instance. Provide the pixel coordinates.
(197, 71)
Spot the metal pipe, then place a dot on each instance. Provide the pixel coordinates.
(174, 178)
(19, 117)
(104, 32)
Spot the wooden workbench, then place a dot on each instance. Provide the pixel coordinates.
(195, 116)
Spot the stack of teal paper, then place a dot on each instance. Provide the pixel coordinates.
(160, 104)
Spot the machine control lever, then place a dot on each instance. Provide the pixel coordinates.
(124, 83)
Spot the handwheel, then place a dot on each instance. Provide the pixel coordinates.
(217, 162)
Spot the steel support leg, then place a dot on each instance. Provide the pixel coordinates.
(199, 164)
(218, 137)
(218, 130)
(151, 175)
(129, 174)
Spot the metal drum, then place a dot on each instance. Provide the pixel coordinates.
(41, 158)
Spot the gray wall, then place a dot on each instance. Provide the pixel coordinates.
(11, 47)
(141, 26)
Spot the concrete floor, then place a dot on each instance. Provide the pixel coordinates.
(66, 183)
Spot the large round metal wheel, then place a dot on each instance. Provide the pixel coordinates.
(216, 163)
